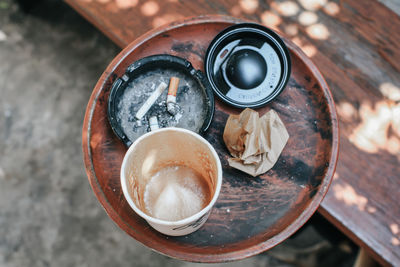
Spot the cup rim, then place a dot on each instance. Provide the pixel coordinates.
(187, 220)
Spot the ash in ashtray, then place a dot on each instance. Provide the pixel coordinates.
(190, 99)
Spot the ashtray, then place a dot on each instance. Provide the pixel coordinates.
(194, 98)
(247, 65)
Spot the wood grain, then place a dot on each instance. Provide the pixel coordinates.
(251, 214)
(355, 45)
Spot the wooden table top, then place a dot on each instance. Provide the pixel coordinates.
(355, 44)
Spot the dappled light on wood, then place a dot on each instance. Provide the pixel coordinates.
(318, 31)
(349, 196)
(331, 8)
(378, 129)
(394, 228)
(297, 41)
(248, 6)
(371, 209)
(286, 8)
(295, 18)
(396, 119)
(371, 134)
(346, 111)
(291, 29)
(236, 11)
(312, 5)
(307, 18)
(309, 49)
(150, 8)
(270, 19)
(390, 91)
(124, 4)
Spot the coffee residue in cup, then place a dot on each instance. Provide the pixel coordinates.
(175, 193)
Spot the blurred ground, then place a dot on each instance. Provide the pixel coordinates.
(50, 59)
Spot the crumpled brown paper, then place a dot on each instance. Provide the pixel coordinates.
(255, 143)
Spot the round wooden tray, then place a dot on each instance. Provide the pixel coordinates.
(251, 214)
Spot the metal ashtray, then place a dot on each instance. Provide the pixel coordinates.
(247, 65)
(194, 97)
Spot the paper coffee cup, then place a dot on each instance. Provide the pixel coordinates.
(158, 150)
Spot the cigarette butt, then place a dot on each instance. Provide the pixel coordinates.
(150, 101)
(153, 121)
(171, 97)
(173, 86)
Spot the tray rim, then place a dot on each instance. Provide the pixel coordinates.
(198, 257)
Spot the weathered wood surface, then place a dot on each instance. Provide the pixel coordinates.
(355, 44)
(251, 214)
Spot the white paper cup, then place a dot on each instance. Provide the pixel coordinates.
(159, 149)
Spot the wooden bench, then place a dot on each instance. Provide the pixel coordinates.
(355, 44)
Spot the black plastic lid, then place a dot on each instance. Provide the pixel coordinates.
(247, 65)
